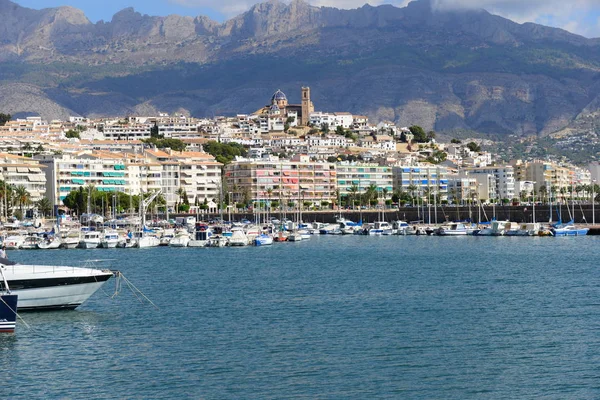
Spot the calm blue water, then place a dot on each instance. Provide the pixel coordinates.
(333, 318)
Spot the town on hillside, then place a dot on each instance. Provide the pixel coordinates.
(282, 155)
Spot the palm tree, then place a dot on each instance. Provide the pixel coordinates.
(412, 188)
(371, 193)
(44, 206)
(180, 193)
(22, 196)
(353, 190)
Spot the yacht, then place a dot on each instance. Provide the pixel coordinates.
(201, 236)
(50, 243)
(44, 287)
(496, 228)
(69, 239)
(453, 229)
(13, 242)
(380, 228)
(90, 240)
(523, 229)
(143, 240)
(400, 227)
(110, 239)
(294, 236)
(181, 239)
(239, 238)
(31, 243)
(167, 236)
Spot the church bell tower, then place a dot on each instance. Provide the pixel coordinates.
(307, 106)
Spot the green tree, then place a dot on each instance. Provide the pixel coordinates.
(419, 135)
(339, 130)
(44, 206)
(325, 127)
(155, 133)
(455, 141)
(72, 134)
(22, 196)
(403, 137)
(174, 144)
(224, 152)
(474, 147)
(4, 118)
(353, 191)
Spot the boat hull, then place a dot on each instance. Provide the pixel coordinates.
(43, 287)
(8, 313)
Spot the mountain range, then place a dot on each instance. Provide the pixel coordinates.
(446, 70)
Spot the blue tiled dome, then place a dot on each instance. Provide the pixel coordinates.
(278, 96)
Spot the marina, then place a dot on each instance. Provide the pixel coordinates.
(337, 316)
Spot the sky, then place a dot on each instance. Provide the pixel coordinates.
(577, 16)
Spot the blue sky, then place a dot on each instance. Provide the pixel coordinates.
(578, 16)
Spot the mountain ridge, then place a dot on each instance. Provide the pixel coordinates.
(447, 70)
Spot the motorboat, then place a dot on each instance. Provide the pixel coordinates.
(201, 236)
(8, 307)
(14, 242)
(523, 229)
(380, 228)
(217, 241)
(304, 234)
(294, 236)
(166, 237)
(50, 243)
(126, 242)
(347, 227)
(496, 228)
(181, 239)
(281, 236)
(239, 238)
(453, 229)
(569, 230)
(418, 230)
(144, 239)
(330, 229)
(90, 240)
(31, 243)
(69, 240)
(46, 287)
(110, 239)
(400, 227)
(263, 239)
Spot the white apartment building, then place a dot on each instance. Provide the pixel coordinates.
(107, 172)
(23, 171)
(504, 177)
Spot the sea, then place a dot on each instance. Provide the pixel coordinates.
(334, 317)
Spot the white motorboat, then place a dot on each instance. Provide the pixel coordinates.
(523, 229)
(294, 236)
(217, 241)
(126, 242)
(147, 241)
(496, 228)
(380, 228)
(453, 229)
(181, 239)
(201, 237)
(239, 238)
(50, 243)
(304, 234)
(43, 287)
(166, 237)
(14, 242)
(110, 239)
(31, 243)
(400, 227)
(90, 240)
(69, 240)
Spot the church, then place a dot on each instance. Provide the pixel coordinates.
(280, 108)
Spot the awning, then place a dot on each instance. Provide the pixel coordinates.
(22, 169)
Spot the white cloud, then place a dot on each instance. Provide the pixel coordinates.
(577, 16)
